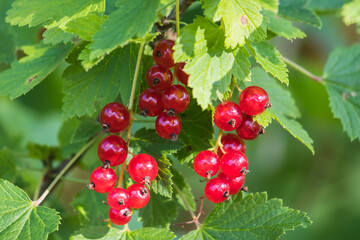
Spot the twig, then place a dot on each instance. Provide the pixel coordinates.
(177, 18)
(304, 71)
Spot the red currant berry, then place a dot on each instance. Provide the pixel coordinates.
(234, 164)
(150, 102)
(143, 168)
(227, 116)
(176, 99)
(254, 100)
(120, 217)
(139, 195)
(167, 126)
(159, 78)
(217, 190)
(231, 142)
(114, 117)
(118, 198)
(249, 129)
(235, 184)
(206, 164)
(163, 54)
(102, 180)
(112, 150)
(180, 74)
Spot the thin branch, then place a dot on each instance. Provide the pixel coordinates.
(64, 170)
(131, 105)
(40, 183)
(303, 70)
(177, 18)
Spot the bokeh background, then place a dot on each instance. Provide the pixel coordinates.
(325, 185)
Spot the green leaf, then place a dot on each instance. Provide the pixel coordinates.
(326, 5)
(58, 13)
(105, 233)
(185, 190)
(149, 142)
(282, 27)
(283, 107)
(271, 5)
(241, 18)
(43, 152)
(84, 57)
(162, 184)
(341, 76)
(85, 27)
(8, 169)
(20, 219)
(211, 65)
(158, 212)
(90, 208)
(299, 11)
(88, 128)
(32, 69)
(123, 24)
(7, 45)
(264, 119)
(270, 59)
(99, 86)
(253, 217)
(56, 35)
(351, 13)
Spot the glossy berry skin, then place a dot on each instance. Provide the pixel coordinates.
(248, 129)
(231, 142)
(139, 195)
(176, 98)
(159, 78)
(206, 164)
(120, 217)
(167, 126)
(180, 74)
(118, 198)
(233, 163)
(114, 149)
(163, 54)
(114, 117)
(227, 116)
(217, 190)
(150, 102)
(143, 168)
(254, 100)
(235, 184)
(102, 180)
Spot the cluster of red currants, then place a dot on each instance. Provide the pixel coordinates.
(112, 151)
(162, 94)
(230, 154)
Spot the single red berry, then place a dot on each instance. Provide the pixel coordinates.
(206, 164)
(249, 129)
(180, 74)
(102, 180)
(114, 117)
(231, 142)
(217, 190)
(150, 102)
(143, 168)
(176, 99)
(234, 164)
(163, 53)
(167, 126)
(159, 78)
(120, 217)
(227, 116)
(139, 195)
(112, 150)
(254, 100)
(235, 184)
(118, 198)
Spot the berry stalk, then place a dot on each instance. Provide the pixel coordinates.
(131, 106)
(303, 70)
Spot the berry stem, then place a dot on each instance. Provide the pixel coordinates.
(38, 186)
(304, 71)
(131, 105)
(177, 18)
(68, 165)
(218, 142)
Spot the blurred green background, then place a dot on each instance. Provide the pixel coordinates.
(323, 185)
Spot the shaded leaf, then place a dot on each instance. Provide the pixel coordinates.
(299, 11)
(8, 165)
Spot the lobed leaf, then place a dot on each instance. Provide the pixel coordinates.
(351, 13)
(298, 10)
(8, 169)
